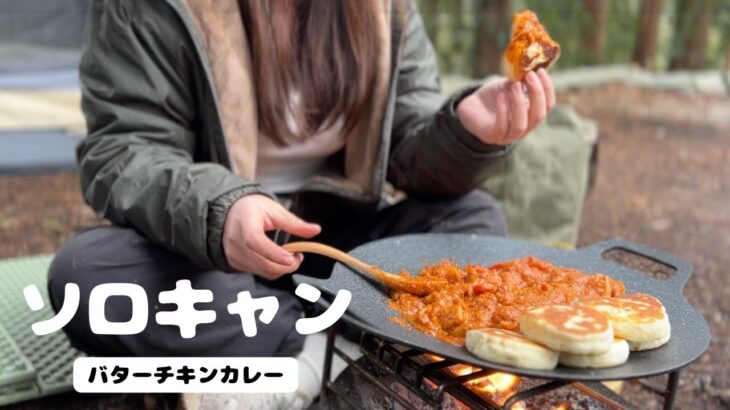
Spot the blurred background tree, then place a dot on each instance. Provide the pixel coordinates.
(470, 35)
(647, 33)
(691, 28)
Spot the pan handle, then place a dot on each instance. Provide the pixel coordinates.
(683, 268)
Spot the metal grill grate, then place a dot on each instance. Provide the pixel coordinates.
(434, 386)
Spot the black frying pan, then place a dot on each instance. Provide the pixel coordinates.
(369, 309)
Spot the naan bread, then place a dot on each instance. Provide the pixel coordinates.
(568, 328)
(635, 317)
(651, 344)
(618, 354)
(510, 348)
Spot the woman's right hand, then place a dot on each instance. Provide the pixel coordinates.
(249, 249)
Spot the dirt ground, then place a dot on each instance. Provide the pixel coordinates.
(663, 179)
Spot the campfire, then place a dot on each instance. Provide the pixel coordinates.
(390, 373)
(497, 387)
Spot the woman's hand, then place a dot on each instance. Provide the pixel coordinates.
(246, 245)
(500, 112)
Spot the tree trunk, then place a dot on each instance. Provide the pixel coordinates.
(493, 30)
(692, 27)
(594, 36)
(647, 33)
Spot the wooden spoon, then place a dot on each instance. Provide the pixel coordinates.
(407, 284)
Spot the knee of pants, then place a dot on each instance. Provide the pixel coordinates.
(120, 255)
(482, 213)
(62, 268)
(90, 258)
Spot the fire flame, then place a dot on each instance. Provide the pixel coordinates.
(499, 385)
(495, 383)
(434, 358)
(462, 370)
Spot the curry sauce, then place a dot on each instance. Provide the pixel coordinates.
(477, 296)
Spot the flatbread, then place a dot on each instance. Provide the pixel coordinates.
(509, 348)
(635, 317)
(568, 328)
(618, 354)
(651, 344)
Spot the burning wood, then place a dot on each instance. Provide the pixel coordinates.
(498, 386)
(488, 389)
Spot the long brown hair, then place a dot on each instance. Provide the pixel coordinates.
(325, 49)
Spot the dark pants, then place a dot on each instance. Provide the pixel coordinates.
(121, 255)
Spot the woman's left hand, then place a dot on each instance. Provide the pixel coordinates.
(500, 111)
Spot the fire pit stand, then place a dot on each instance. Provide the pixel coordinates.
(432, 383)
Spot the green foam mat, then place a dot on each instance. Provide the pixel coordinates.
(15, 368)
(30, 366)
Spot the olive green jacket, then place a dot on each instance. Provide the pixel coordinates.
(171, 115)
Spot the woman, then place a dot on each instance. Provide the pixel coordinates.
(215, 123)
